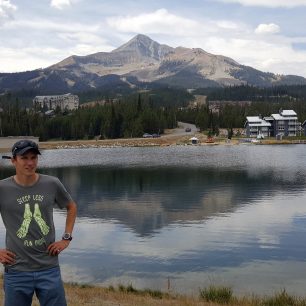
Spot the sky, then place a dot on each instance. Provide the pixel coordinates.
(269, 35)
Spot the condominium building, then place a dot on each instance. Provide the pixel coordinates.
(284, 123)
(64, 102)
(255, 126)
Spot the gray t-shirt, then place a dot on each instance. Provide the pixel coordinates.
(27, 214)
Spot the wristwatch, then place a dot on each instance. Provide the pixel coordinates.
(67, 236)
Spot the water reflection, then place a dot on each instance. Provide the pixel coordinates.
(146, 200)
(227, 215)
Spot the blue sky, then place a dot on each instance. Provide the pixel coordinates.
(269, 35)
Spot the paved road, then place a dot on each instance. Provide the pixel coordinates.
(180, 130)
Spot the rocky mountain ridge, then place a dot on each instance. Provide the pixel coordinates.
(142, 62)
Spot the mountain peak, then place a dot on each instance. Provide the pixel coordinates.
(144, 46)
(143, 60)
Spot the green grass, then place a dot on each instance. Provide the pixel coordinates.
(130, 289)
(222, 295)
(283, 299)
(219, 295)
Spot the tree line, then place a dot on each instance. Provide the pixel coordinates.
(150, 111)
(235, 103)
(124, 118)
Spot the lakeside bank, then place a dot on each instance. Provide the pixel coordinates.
(168, 139)
(78, 294)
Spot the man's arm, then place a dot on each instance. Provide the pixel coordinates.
(58, 246)
(71, 216)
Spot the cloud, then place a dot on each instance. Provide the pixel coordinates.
(12, 59)
(42, 26)
(60, 4)
(268, 3)
(270, 55)
(174, 26)
(270, 28)
(6, 10)
(160, 21)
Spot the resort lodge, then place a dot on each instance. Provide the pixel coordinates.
(285, 123)
(64, 102)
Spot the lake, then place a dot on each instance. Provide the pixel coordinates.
(184, 217)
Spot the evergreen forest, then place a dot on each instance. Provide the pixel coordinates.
(148, 111)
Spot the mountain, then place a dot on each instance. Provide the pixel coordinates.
(139, 63)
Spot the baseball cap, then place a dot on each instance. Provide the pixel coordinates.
(23, 146)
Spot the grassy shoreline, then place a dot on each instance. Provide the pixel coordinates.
(165, 140)
(78, 295)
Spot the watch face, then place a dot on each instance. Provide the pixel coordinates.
(67, 236)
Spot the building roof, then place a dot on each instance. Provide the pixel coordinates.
(288, 112)
(257, 121)
(287, 117)
(277, 117)
(253, 119)
(53, 96)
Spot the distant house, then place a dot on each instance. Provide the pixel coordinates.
(285, 123)
(64, 102)
(255, 126)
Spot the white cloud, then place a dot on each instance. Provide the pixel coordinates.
(268, 3)
(270, 28)
(12, 59)
(268, 55)
(229, 25)
(160, 21)
(6, 10)
(60, 4)
(43, 26)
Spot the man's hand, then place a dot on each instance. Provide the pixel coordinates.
(58, 246)
(7, 257)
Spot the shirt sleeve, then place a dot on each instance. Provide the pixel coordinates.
(62, 197)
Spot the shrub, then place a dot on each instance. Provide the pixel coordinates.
(280, 299)
(221, 295)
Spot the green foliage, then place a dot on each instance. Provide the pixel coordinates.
(129, 117)
(130, 289)
(149, 111)
(284, 93)
(214, 294)
(202, 119)
(281, 299)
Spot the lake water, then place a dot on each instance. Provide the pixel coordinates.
(182, 218)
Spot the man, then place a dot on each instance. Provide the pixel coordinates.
(31, 254)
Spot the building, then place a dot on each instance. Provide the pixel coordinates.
(257, 127)
(285, 123)
(64, 102)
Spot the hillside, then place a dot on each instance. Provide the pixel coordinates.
(142, 63)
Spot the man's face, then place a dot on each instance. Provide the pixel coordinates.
(25, 164)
